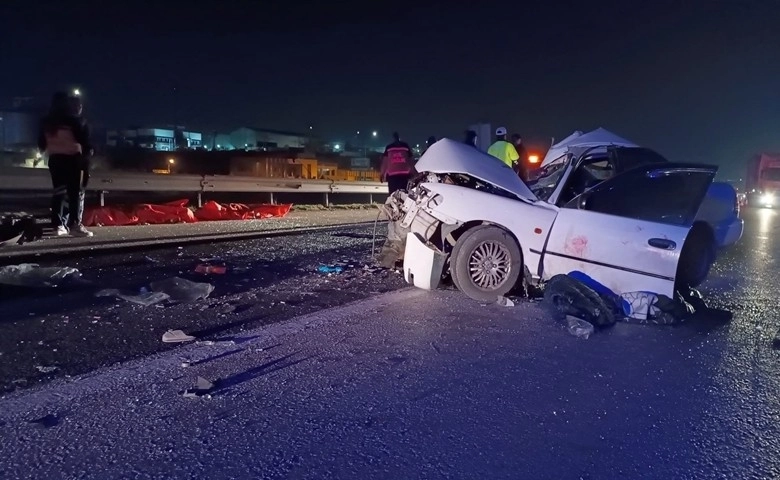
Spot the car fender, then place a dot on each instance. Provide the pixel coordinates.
(529, 223)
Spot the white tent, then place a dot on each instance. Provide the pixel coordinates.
(595, 138)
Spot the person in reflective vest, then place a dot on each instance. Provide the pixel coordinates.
(503, 150)
(397, 165)
(64, 138)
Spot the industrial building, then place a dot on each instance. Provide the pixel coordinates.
(160, 139)
(257, 139)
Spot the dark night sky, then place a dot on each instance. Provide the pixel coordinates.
(697, 80)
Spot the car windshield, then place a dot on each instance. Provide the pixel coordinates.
(547, 178)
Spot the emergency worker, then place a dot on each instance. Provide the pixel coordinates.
(397, 164)
(64, 137)
(503, 150)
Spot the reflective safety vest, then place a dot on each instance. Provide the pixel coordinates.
(504, 151)
(398, 161)
(62, 142)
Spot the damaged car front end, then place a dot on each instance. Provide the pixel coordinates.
(468, 217)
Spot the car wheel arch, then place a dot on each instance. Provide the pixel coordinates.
(697, 255)
(460, 279)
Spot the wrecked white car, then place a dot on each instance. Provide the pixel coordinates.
(622, 215)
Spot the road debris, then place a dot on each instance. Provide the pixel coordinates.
(182, 290)
(505, 302)
(44, 369)
(579, 327)
(33, 275)
(202, 389)
(208, 269)
(330, 269)
(176, 336)
(145, 298)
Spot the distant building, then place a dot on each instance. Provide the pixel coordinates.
(257, 139)
(19, 124)
(160, 139)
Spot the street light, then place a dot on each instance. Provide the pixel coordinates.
(76, 92)
(170, 164)
(374, 134)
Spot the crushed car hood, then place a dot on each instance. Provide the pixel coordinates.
(578, 139)
(449, 156)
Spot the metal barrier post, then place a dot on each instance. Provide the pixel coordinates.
(371, 198)
(102, 198)
(273, 202)
(200, 199)
(327, 199)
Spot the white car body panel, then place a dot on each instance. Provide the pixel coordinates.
(424, 266)
(614, 250)
(529, 223)
(449, 156)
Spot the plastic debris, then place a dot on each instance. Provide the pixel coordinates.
(176, 336)
(182, 290)
(144, 298)
(207, 269)
(579, 327)
(33, 275)
(202, 388)
(505, 302)
(44, 369)
(330, 269)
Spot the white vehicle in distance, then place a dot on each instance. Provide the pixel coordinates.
(621, 214)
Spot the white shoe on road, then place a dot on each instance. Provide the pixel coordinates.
(60, 231)
(80, 231)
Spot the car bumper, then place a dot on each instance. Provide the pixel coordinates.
(423, 265)
(728, 233)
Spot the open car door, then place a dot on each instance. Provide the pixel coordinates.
(627, 232)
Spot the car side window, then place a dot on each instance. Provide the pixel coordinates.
(671, 197)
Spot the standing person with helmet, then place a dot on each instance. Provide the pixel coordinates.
(397, 164)
(64, 137)
(503, 150)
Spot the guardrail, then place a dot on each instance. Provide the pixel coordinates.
(38, 179)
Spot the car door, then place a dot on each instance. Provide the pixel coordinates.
(627, 232)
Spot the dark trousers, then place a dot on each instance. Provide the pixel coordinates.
(68, 177)
(397, 182)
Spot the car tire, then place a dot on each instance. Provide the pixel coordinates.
(696, 258)
(489, 244)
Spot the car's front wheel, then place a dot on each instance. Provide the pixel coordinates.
(486, 263)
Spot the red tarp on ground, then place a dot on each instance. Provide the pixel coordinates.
(178, 212)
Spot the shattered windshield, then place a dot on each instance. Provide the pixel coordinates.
(547, 178)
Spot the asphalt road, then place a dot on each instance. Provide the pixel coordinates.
(413, 384)
(267, 280)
